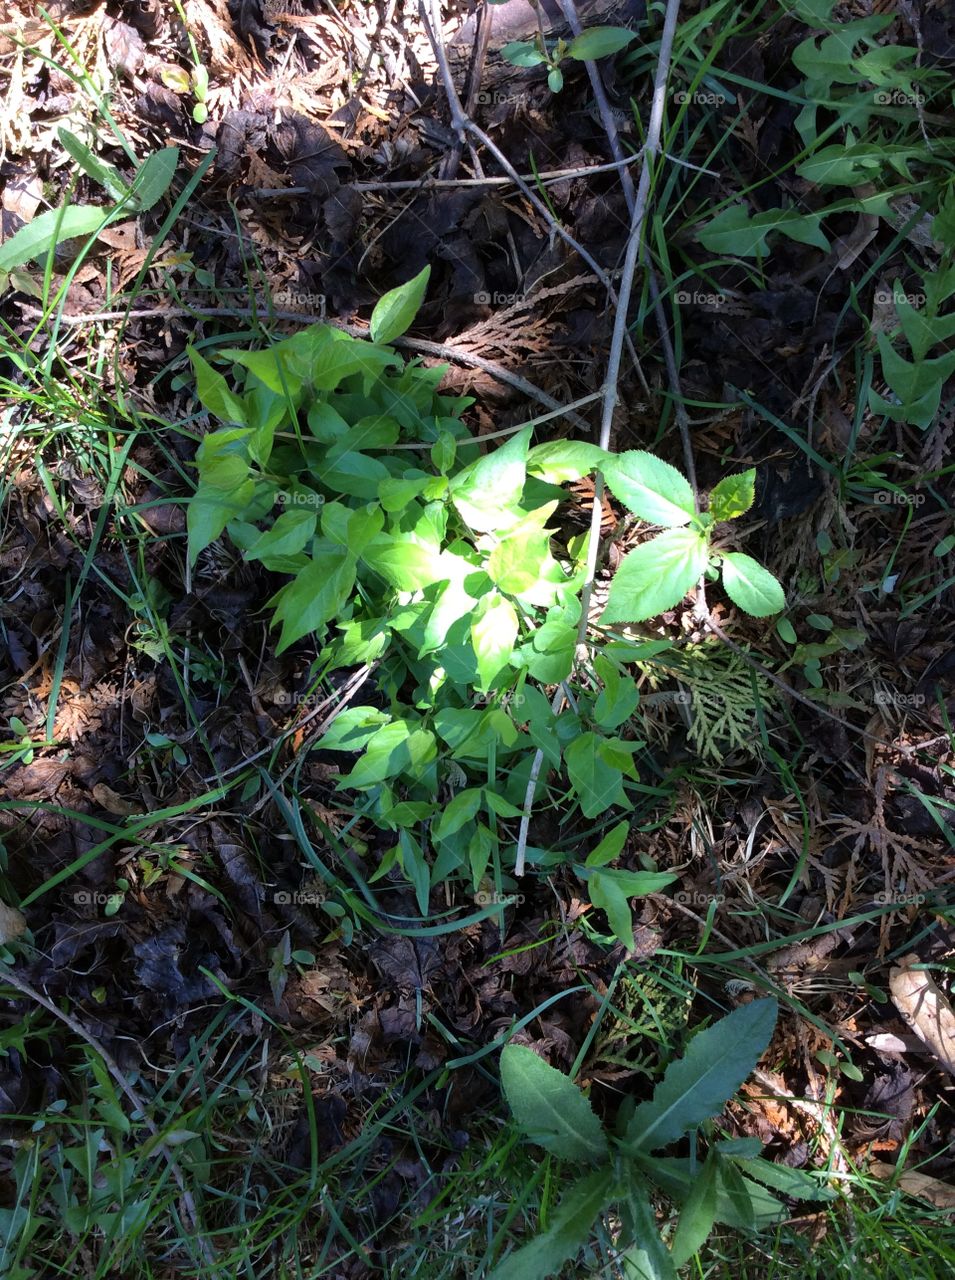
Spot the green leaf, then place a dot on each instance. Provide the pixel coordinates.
(735, 233)
(597, 784)
(569, 1230)
(804, 228)
(49, 229)
(518, 560)
(697, 1086)
(698, 1213)
(374, 431)
(647, 1258)
(522, 53)
(842, 166)
(655, 576)
(492, 637)
(558, 461)
(599, 42)
(395, 311)
(415, 866)
(676, 1176)
(487, 491)
(396, 748)
(407, 563)
(320, 355)
(619, 697)
(353, 729)
(611, 891)
(610, 847)
(460, 810)
(214, 393)
(650, 487)
(105, 174)
(549, 1108)
(751, 586)
(917, 385)
(607, 894)
(290, 533)
(315, 596)
(153, 179)
(555, 79)
(733, 496)
(211, 509)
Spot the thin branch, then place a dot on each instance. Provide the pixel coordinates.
(443, 351)
(634, 242)
(461, 122)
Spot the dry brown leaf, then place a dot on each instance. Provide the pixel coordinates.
(941, 1194)
(925, 1008)
(113, 803)
(12, 924)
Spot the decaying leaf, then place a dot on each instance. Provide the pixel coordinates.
(12, 924)
(925, 1009)
(941, 1194)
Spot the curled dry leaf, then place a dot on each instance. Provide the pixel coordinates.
(941, 1194)
(925, 1008)
(12, 924)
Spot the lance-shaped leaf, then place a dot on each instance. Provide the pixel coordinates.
(395, 311)
(698, 1085)
(549, 1107)
(569, 1230)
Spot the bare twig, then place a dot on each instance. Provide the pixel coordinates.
(546, 178)
(443, 351)
(12, 979)
(637, 220)
(462, 123)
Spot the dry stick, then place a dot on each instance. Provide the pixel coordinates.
(462, 123)
(626, 182)
(496, 371)
(637, 220)
(682, 418)
(12, 979)
(547, 177)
